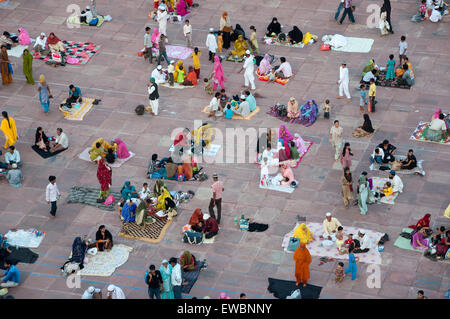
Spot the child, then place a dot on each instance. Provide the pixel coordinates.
(294, 152)
(253, 41)
(390, 73)
(272, 76)
(339, 273)
(372, 93)
(208, 87)
(340, 239)
(180, 78)
(349, 242)
(214, 105)
(403, 47)
(223, 98)
(363, 98)
(228, 112)
(326, 109)
(170, 71)
(219, 41)
(187, 30)
(352, 268)
(385, 191)
(154, 165)
(196, 61)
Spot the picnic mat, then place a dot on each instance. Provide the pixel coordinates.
(20, 255)
(316, 249)
(283, 288)
(17, 51)
(117, 163)
(361, 45)
(89, 195)
(279, 80)
(25, 238)
(418, 169)
(191, 277)
(404, 243)
(284, 189)
(83, 51)
(178, 52)
(76, 20)
(208, 240)
(104, 263)
(231, 58)
(77, 114)
(417, 135)
(365, 134)
(276, 41)
(45, 154)
(381, 81)
(211, 151)
(274, 113)
(294, 163)
(152, 233)
(379, 182)
(177, 85)
(235, 116)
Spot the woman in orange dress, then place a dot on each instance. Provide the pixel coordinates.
(302, 259)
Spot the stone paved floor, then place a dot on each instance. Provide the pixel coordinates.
(238, 262)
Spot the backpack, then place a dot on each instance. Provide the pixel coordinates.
(193, 237)
(140, 109)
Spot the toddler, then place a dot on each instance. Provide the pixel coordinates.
(339, 273)
(326, 109)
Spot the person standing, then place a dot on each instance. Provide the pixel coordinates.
(187, 31)
(253, 40)
(352, 268)
(343, 81)
(211, 44)
(153, 96)
(44, 93)
(219, 76)
(225, 27)
(154, 281)
(104, 177)
(346, 160)
(28, 66)
(176, 278)
(4, 66)
(302, 259)
(166, 275)
(52, 194)
(216, 200)
(402, 48)
(347, 187)
(338, 10)
(387, 8)
(348, 10)
(196, 61)
(161, 17)
(249, 74)
(148, 45)
(9, 129)
(336, 139)
(162, 49)
(372, 93)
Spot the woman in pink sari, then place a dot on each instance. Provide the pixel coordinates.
(122, 149)
(287, 172)
(155, 39)
(219, 76)
(181, 8)
(284, 136)
(300, 143)
(264, 66)
(24, 38)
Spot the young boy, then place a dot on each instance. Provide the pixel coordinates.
(339, 273)
(211, 44)
(253, 41)
(148, 45)
(214, 105)
(403, 47)
(363, 98)
(170, 71)
(223, 98)
(208, 87)
(219, 41)
(153, 165)
(52, 194)
(326, 109)
(196, 61)
(385, 191)
(372, 93)
(187, 30)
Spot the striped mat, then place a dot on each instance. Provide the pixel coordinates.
(152, 233)
(88, 196)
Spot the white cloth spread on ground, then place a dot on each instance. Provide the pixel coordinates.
(104, 263)
(24, 238)
(348, 44)
(117, 163)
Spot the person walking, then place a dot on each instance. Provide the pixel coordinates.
(372, 93)
(348, 10)
(44, 93)
(52, 194)
(343, 81)
(249, 67)
(8, 127)
(154, 281)
(148, 45)
(153, 96)
(176, 278)
(338, 10)
(162, 49)
(387, 8)
(211, 44)
(216, 200)
(161, 17)
(104, 177)
(336, 139)
(28, 66)
(187, 31)
(352, 268)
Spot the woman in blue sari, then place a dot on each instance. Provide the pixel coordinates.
(365, 194)
(166, 274)
(128, 191)
(308, 112)
(128, 212)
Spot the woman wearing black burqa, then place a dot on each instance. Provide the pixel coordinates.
(387, 8)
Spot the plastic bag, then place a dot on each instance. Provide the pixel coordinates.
(296, 294)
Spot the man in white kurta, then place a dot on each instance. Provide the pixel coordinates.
(211, 44)
(344, 81)
(161, 17)
(153, 96)
(158, 74)
(249, 67)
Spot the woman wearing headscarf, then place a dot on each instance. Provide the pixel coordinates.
(128, 212)
(41, 140)
(159, 187)
(104, 239)
(274, 28)
(436, 113)
(308, 112)
(225, 27)
(293, 110)
(186, 169)
(181, 8)
(219, 76)
(4, 67)
(365, 129)
(302, 259)
(424, 222)
(295, 35)
(284, 136)
(187, 261)
(79, 249)
(28, 66)
(300, 144)
(8, 127)
(104, 177)
(115, 292)
(55, 44)
(44, 93)
(288, 175)
(122, 149)
(128, 191)
(170, 207)
(162, 200)
(196, 221)
(24, 38)
(386, 7)
(240, 46)
(155, 39)
(303, 233)
(370, 67)
(166, 274)
(363, 194)
(346, 159)
(237, 32)
(264, 66)
(347, 187)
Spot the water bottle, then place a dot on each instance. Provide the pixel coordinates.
(235, 220)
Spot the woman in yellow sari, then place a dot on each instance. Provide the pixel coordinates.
(8, 127)
(303, 233)
(177, 68)
(240, 46)
(161, 205)
(205, 133)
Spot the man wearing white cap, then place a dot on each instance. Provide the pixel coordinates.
(162, 19)
(159, 75)
(14, 176)
(89, 293)
(39, 45)
(249, 67)
(243, 109)
(211, 44)
(88, 17)
(115, 292)
(343, 81)
(330, 226)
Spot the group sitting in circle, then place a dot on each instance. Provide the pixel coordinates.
(186, 170)
(51, 144)
(221, 104)
(110, 152)
(308, 112)
(403, 75)
(282, 71)
(203, 223)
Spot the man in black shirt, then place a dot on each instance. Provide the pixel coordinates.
(389, 151)
(410, 162)
(154, 282)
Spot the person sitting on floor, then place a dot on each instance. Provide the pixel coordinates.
(159, 75)
(153, 165)
(88, 17)
(240, 46)
(399, 72)
(410, 161)
(243, 108)
(309, 111)
(443, 246)
(407, 77)
(370, 67)
(295, 35)
(293, 110)
(128, 191)
(171, 169)
(13, 157)
(161, 202)
(110, 156)
(214, 105)
(368, 76)
(364, 129)
(384, 191)
(121, 149)
(376, 157)
(41, 140)
(228, 112)
(265, 65)
(61, 141)
(330, 227)
(397, 184)
(11, 277)
(211, 227)
(75, 95)
(196, 221)
(96, 152)
(294, 151)
(303, 233)
(5, 40)
(286, 172)
(56, 46)
(419, 240)
(14, 176)
(143, 212)
(284, 71)
(191, 78)
(128, 212)
(250, 99)
(40, 45)
(170, 208)
(103, 238)
(145, 192)
(388, 151)
(364, 246)
(424, 222)
(436, 131)
(274, 28)
(187, 261)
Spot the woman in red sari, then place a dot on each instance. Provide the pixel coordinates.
(302, 259)
(424, 222)
(104, 176)
(196, 220)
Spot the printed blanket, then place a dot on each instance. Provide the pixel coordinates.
(77, 114)
(279, 80)
(83, 51)
(417, 135)
(30, 238)
(178, 52)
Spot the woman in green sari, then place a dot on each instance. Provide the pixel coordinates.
(28, 66)
(365, 194)
(370, 67)
(166, 274)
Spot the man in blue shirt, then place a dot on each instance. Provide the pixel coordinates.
(11, 277)
(13, 157)
(250, 100)
(74, 94)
